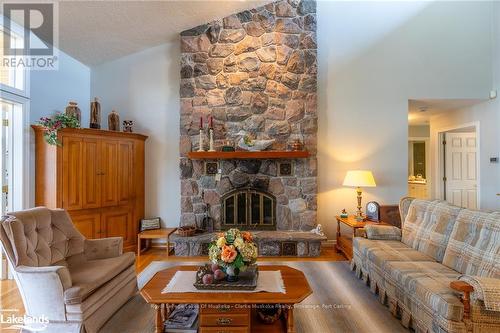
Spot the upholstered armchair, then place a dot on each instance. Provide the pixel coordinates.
(76, 283)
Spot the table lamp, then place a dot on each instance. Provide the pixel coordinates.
(358, 179)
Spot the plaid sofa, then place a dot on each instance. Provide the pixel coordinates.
(416, 270)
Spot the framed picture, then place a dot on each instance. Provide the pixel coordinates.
(150, 224)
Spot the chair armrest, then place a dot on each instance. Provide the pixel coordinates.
(42, 290)
(383, 232)
(103, 248)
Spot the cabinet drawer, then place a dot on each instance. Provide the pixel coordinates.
(241, 329)
(225, 319)
(223, 308)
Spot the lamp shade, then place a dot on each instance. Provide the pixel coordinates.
(359, 178)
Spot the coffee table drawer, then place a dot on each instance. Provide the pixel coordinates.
(222, 308)
(242, 329)
(225, 319)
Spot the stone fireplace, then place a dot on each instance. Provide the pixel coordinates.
(253, 71)
(248, 209)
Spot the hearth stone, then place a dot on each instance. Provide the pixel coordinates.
(270, 243)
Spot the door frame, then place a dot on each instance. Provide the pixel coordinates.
(439, 157)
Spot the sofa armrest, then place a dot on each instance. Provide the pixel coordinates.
(382, 232)
(360, 232)
(465, 289)
(103, 248)
(485, 289)
(42, 290)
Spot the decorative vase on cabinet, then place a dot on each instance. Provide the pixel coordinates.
(97, 176)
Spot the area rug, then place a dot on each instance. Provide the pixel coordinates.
(340, 302)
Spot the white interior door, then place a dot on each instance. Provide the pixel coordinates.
(461, 169)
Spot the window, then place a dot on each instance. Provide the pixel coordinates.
(14, 133)
(11, 79)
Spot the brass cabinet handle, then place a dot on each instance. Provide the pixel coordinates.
(224, 321)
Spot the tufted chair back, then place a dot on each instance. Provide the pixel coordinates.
(40, 237)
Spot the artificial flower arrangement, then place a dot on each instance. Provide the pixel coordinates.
(233, 251)
(54, 124)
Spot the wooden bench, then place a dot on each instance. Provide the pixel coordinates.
(148, 235)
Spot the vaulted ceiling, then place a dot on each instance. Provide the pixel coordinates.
(95, 32)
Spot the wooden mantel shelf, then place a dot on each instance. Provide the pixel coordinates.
(243, 155)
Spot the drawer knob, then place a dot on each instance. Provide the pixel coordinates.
(224, 321)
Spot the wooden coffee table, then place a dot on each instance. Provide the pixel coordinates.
(233, 310)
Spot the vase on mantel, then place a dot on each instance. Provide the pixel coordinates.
(95, 114)
(114, 121)
(73, 110)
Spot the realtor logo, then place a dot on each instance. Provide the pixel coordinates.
(36, 19)
(30, 35)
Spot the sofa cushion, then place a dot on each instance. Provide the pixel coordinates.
(372, 255)
(383, 232)
(87, 276)
(428, 226)
(425, 284)
(474, 245)
(370, 249)
(42, 237)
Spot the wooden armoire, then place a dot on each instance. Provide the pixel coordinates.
(97, 176)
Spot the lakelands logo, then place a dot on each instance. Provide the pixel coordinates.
(12, 321)
(29, 35)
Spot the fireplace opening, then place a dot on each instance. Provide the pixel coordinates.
(248, 209)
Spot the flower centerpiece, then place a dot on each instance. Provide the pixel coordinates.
(233, 251)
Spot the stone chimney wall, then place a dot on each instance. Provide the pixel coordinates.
(254, 71)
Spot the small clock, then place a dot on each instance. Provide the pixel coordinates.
(373, 211)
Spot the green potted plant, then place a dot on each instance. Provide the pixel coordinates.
(51, 125)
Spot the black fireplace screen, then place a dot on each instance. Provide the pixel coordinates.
(248, 209)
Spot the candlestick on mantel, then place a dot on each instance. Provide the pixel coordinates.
(211, 133)
(201, 140)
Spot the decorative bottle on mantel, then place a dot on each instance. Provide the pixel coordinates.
(95, 114)
(114, 121)
(73, 110)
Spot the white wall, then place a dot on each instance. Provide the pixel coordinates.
(418, 131)
(144, 87)
(373, 57)
(52, 90)
(487, 114)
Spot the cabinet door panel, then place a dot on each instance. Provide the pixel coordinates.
(118, 223)
(109, 172)
(72, 169)
(91, 179)
(125, 172)
(88, 224)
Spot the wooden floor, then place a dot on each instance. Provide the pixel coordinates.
(11, 299)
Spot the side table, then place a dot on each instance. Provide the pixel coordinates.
(344, 241)
(148, 235)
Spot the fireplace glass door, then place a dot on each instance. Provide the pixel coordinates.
(249, 209)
